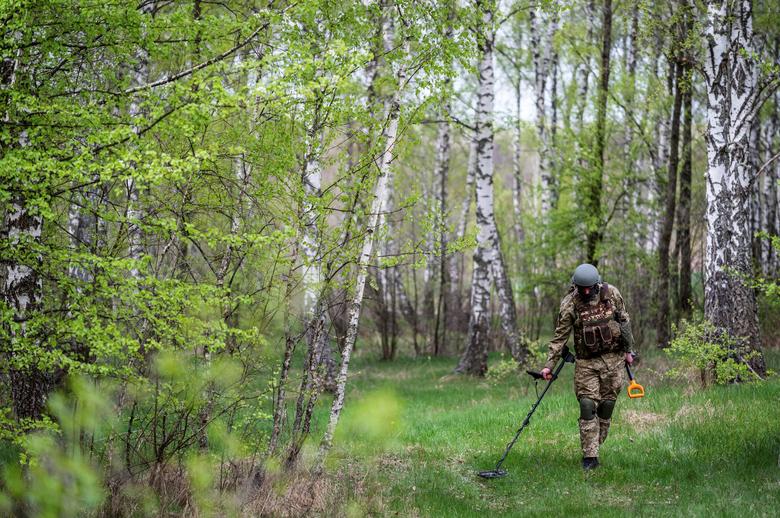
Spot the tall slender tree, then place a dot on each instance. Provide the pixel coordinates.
(733, 99)
(685, 290)
(670, 199)
(595, 178)
(488, 259)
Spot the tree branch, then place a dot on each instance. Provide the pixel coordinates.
(200, 66)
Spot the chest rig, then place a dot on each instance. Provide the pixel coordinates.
(596, 330)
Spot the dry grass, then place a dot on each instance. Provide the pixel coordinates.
(301, 493)
(695, 412)
(288, 495)
(644, 421)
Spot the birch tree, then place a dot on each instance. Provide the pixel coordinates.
(734, 95)
(378, 204)
(436, 268)
(543, 28)
(488, 259)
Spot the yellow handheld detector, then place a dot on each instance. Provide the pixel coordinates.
(635, 390)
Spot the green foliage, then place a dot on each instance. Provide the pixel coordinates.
(703, 347)
(499, 371)
(57, 475)
(506, 368)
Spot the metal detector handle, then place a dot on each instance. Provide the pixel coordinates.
(535, 375)
(566, 357)
(635, 390)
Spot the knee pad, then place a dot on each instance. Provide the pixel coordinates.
(587, 409)
(605, 408)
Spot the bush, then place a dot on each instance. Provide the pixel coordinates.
(504, 368)
(704, 348)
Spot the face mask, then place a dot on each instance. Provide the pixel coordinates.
(588, 292)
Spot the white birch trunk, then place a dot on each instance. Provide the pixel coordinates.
(487, 256)
(543, 27)
(731, 78)
(83, 230)
(583, 70)
(435, 266)
(460, 231)
(378, 205)
(22, 292)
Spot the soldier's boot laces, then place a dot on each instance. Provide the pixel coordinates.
(590, 463)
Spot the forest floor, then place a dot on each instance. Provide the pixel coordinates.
(413, 437)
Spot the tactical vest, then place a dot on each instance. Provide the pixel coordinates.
(596, 330)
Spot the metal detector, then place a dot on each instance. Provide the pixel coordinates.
(497, 472)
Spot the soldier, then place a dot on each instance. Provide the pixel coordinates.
(596, 313)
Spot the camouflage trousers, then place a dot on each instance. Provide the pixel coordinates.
(598, 379)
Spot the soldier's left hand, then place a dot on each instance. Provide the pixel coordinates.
(629, 358)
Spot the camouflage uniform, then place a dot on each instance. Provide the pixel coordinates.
(602, 336)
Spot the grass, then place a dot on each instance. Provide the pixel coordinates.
(419, 434)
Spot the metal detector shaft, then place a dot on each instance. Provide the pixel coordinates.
(566, 357)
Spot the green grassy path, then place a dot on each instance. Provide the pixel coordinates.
(421, 435)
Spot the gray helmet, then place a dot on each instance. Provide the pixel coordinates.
(586, 275)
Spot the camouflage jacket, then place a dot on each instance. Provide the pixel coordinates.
(599, 327)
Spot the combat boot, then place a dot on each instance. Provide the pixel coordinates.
(590, 463)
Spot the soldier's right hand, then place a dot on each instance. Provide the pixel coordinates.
(546, 374)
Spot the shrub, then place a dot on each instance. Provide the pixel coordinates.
(704, 348)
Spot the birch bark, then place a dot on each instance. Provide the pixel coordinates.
(439, 272)
(731, 77)
(457, 261)
(543, 28)
(771, 179)
(517, 167)
(378, 205)
(134, 215)
(583, 70)
(487, 256)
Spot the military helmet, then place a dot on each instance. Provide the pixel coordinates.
(586, 275)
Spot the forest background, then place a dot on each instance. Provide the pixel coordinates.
(209, 206)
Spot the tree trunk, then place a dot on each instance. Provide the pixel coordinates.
(684, 210)
(583, 69)
(670, 199)
(134, 215)
(378, 205)
(22, 292)
(757, 196)
(280, 405)
(22, 289)
(596, 177)
(771, 179)
(457, 311)
(732, 103)
(542, 32)
(517, 167)
(487, 257)
(440, 199)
